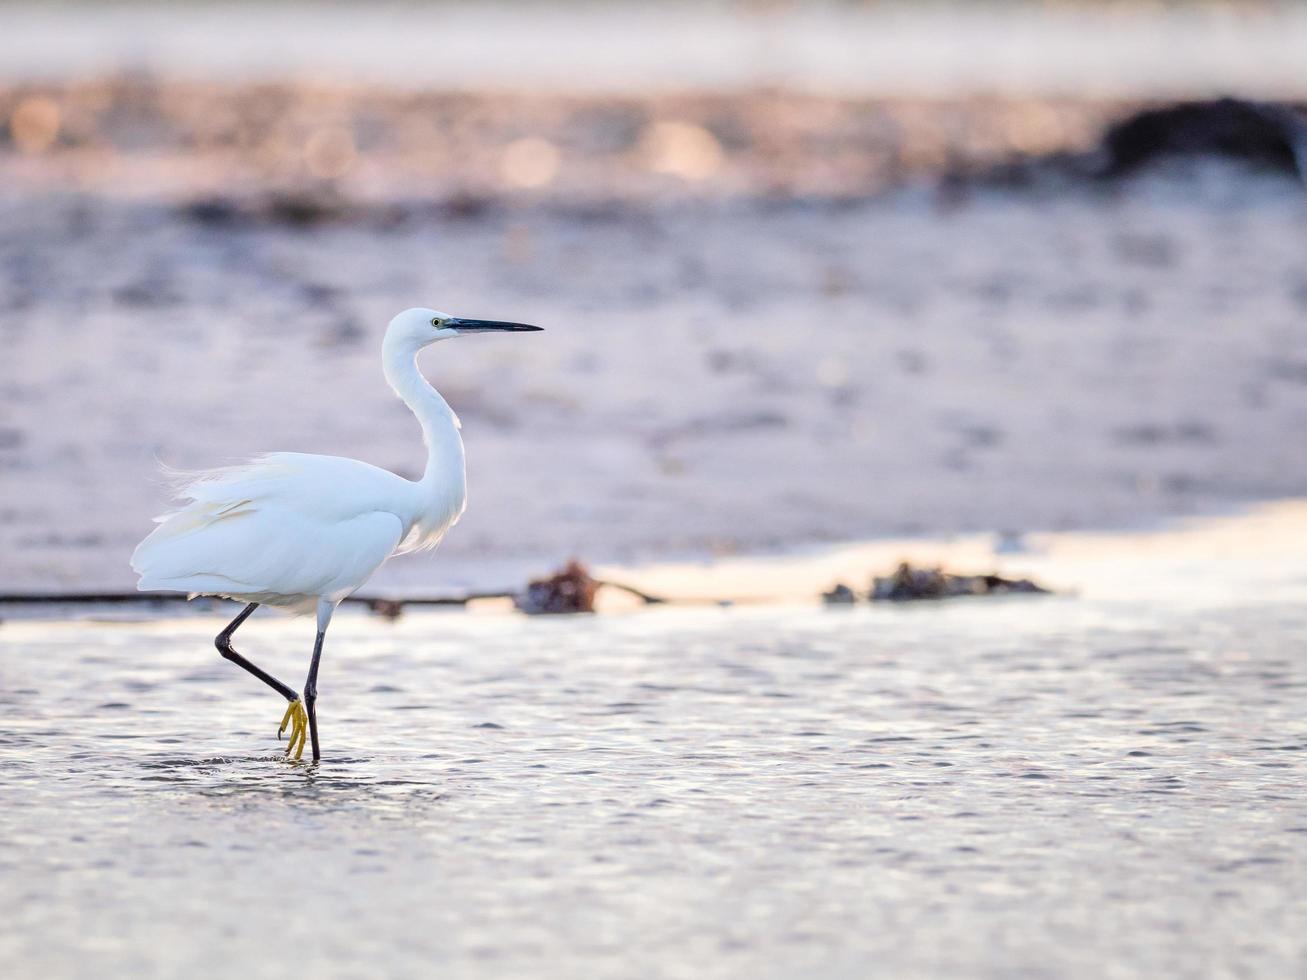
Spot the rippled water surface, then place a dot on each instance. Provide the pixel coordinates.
(999, 789)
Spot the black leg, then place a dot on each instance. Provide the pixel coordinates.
(223, 643)
(311, 694)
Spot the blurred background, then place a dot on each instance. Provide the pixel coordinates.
(811, 272)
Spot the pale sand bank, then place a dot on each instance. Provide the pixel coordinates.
(1259, 553)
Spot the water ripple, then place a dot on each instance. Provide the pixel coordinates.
(766, 793)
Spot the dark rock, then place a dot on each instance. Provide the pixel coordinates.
(1269, 135)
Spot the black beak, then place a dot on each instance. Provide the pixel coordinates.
(463, 325)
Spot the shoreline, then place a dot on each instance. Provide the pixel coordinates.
(1245, 553)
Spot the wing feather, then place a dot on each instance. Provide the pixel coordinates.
(284, 525)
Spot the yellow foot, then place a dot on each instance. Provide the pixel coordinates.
(298, 719)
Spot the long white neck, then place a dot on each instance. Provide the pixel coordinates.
(445, 461)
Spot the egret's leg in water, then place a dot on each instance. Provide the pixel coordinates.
(326, 608)
(311, 694)
(295, 711)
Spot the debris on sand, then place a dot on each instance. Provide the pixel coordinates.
(908, 583)
(386, 608)
(571, 590)
(841, 594)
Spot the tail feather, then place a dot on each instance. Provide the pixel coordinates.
(168, 551)
(282, 526)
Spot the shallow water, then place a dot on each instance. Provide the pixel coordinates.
(994, 788)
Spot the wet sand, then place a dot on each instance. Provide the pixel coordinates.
(715, 378)
(773, 318)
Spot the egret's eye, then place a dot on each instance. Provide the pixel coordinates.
(437, 322)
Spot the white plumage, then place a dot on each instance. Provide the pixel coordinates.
(286, 529)
(301, 532)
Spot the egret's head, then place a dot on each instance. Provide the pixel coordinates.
(419, 327)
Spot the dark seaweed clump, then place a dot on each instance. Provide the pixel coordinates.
(908, 583)
(571, 590)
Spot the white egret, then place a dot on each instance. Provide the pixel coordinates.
(302, 532)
